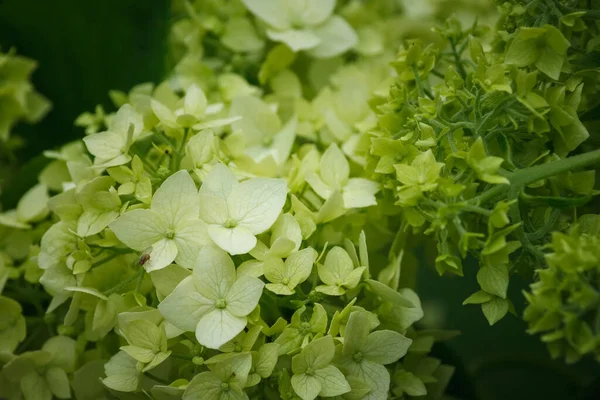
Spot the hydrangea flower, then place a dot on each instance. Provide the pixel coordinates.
(305, 25)
(235, 212)
(214, 301)
(334, 176)
(171, 228)
(111, 147)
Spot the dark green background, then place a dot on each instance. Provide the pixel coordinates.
(87, 47)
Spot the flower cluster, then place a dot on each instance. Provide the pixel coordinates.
(238, 231)
(564, 304)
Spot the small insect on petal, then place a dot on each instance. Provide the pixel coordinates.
(145, 256)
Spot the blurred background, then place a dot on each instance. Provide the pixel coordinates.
(86, 48)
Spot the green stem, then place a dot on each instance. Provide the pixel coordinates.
(536, 173)
(459, 66)
(156, 378)
(179, 153)
(418, 81)
(123, 284)
(186, 357)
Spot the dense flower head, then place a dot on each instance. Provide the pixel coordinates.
(242, 229)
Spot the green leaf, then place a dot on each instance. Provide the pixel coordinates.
(408, 383)
(306, 386)
(12, 325)
(389, 294)
(493, 279)
(494, 310)
(34, 387)
(385, 346)
(478, 298)
(58, 382)
(121, 373)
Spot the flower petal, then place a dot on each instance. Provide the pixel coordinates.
(238, 240)
(218, 327)
(256, 203)
(244, 295)
(176, 199)
(139, 229)
(185, 306)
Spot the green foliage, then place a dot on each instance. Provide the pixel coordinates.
(563, 303)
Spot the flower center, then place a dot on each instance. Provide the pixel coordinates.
(305, 326)
(225, 386)
(267, 141)
(285, 281)
(310, 371)
(230, 223)
(487, 82)
(170, 234)
(357, 356)
(221, 303)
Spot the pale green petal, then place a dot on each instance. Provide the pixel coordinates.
(353, 278)
(333, 382)
(280, 289)
(238, 240)
(205, 386)
(275, 270)
(218, 327)
(316, 355)
(216, 123)
(33, 205)
(334, 167)
(105, 145)
(332, 209)
(213, 209)
(240, 36)
(256, 203)
(307, 387)
(93, 222)
(338, 265)
(163, 253)
(273, 12)
(244, 295)
(317, 184)
(219, 182)
(125, 117)
(356, 333)
(58, 382)
(258, 120)
(252, 268)
(299, 265)
(287, 227)
(191, 236)
(195, 101)
(121, 373)
(164, 114)
(295, 39)
(281, 247)
(377, 377)
(331, 290)
(311, 12)
(284, 140)
(34, 387)
(57, 243)
(215, 272)
(139, 229)
(385, 346)
(176, 200)
(336, 37)
(185, 306)
(360, 192)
